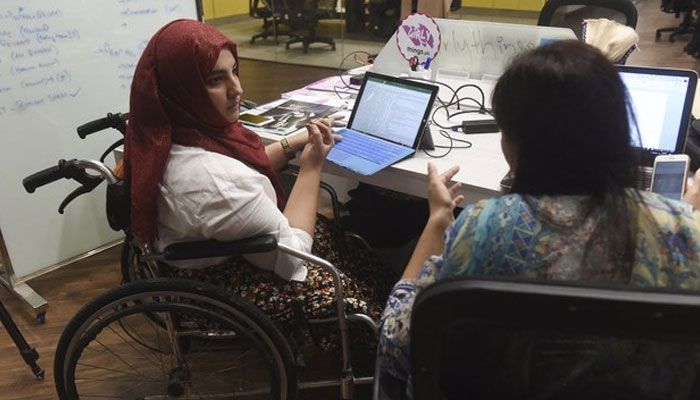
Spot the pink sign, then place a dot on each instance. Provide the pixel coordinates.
(418, 36)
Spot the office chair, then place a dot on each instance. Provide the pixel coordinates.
(306, 14)
(678, 7)
(271, 12)
(469, 351)
(616, 10)
(384, 16)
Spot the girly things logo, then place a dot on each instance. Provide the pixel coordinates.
(418, 36)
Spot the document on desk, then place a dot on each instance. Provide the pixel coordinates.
(290, 115)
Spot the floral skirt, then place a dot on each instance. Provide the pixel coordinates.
(366, 285)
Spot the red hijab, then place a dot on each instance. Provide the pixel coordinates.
(170, 104)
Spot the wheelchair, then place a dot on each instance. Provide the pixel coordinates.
(162, 338)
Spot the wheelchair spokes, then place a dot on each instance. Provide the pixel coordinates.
(207, 350)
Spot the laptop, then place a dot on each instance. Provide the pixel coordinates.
(386, 124)
(662, 99)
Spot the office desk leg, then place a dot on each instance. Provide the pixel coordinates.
(25, 293)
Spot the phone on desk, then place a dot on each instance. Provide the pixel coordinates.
(255, 120)
(669, 175)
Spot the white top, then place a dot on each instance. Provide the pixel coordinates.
(206, 195)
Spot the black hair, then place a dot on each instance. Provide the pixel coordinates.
(564, 109)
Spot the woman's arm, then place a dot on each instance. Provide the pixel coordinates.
(394, 343)
(275, 151)
(442, 205)
(303, 200)
(692, 192)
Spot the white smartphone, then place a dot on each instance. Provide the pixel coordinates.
(669, 175)
(255, 120)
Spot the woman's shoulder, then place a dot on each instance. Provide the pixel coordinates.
(198, 167)
(660, 205)
(489, 207)
(485, 213)
(517, 211)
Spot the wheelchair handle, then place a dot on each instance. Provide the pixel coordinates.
(115, 121)
(71, 169)
(44, 177)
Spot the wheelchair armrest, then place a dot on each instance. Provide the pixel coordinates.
(215, 248)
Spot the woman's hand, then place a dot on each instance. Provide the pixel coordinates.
(442, 203)
(441, 199)
(692, 192)
(320, 141)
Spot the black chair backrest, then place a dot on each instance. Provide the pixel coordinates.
(462, 334)
(678, 6)
(626, 7)
(311, 8)
(266, 8)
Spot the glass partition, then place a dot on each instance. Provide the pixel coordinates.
(336, 30)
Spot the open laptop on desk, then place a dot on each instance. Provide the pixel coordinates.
(386, 123)
(662, 100)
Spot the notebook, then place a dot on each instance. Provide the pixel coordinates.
(662, 100)
(386, 123)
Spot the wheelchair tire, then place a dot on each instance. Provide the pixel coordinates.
(112, 347)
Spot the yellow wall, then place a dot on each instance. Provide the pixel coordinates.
(478, 3)
(208, 9)
(529, 5)
(224, 8)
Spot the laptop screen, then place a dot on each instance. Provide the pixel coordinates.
(393, 109)
(662, 101)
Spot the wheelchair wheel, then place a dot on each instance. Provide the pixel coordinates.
(214, 345)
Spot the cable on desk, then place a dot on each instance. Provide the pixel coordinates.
(446, 134)
(340, 67)
(482, 104)
(450, 115)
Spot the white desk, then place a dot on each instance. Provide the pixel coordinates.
(481, 167)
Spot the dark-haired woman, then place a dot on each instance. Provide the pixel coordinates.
(573, 213)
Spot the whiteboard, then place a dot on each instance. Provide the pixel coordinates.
(64, 63)
(476, 47)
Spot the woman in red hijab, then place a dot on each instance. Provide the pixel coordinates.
(196, 173)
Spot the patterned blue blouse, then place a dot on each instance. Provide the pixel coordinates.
(543, 238)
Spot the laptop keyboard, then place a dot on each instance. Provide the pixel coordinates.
(371, 149)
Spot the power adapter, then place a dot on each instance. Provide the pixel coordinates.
(357, 79)
(479, 126)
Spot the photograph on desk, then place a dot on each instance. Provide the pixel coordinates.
(287, 116)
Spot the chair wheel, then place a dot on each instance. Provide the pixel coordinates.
(287, 46)
(658, 35)
(41, 318)
(333, 47)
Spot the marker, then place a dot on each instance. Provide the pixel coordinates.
(427, 63)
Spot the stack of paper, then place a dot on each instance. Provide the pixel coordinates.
(290, 115)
